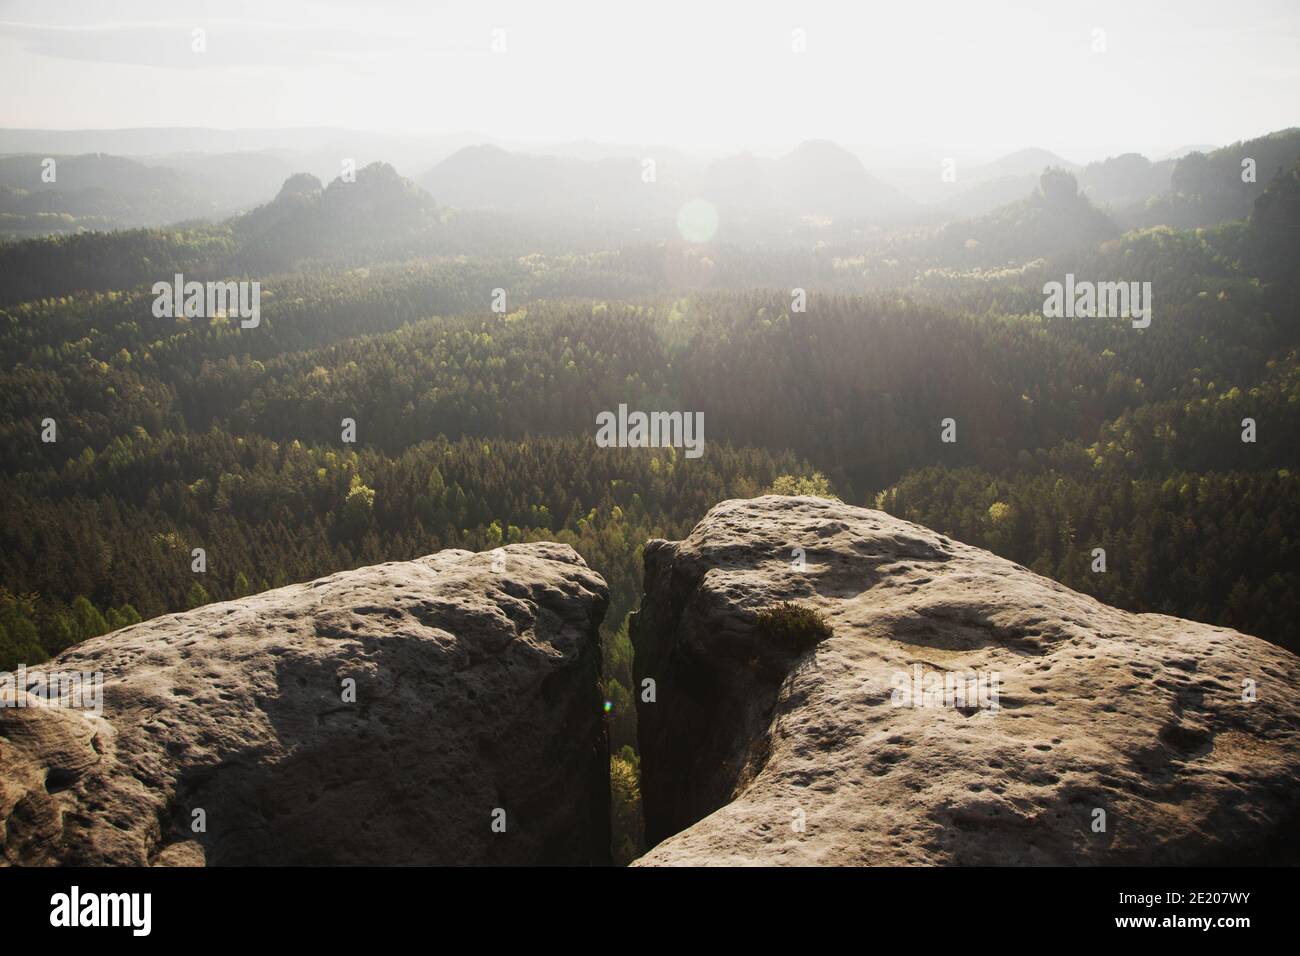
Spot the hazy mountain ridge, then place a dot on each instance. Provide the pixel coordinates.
(1054, 218)
(1190, 187)
(97, 190)
(1206, 188)
(308, 219)
(816, 186)
(818, 179)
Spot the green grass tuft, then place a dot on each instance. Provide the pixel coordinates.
(793, 627)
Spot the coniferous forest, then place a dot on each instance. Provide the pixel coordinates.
(474, 425)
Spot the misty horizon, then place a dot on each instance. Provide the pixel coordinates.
(948, 79)
(879, 155)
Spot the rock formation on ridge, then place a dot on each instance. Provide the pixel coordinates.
(756, 753)
(475, 689)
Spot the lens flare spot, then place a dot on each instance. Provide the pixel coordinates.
(697, 220)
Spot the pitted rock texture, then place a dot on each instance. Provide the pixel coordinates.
(475, 689)
(758, 754)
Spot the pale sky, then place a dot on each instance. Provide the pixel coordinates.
(979, 78)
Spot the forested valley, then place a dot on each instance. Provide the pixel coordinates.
(474, 425)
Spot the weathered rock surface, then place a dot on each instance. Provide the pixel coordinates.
(758, 754)
(475, 690)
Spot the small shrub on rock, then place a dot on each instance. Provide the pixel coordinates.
(793, 627)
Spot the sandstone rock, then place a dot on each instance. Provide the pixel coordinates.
(475, 690)
(1138, 715)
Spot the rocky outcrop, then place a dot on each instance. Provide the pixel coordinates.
(476, 703)
(962, 710)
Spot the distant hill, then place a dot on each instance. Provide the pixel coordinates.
(91, 171)
(1055, 218)
(978, 187)
(1275, 229)
(1023, 162)
(821, 178)
(817, 190)
(380, 216)
(102, 192)
(1185, 150)
(235, 181)
(408, 152)
(984, 197)
(1196, 189)
(488, 177)
(97, 191)
(1208, 188)
(306, 218)
(1124, 180)
(818, 179)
